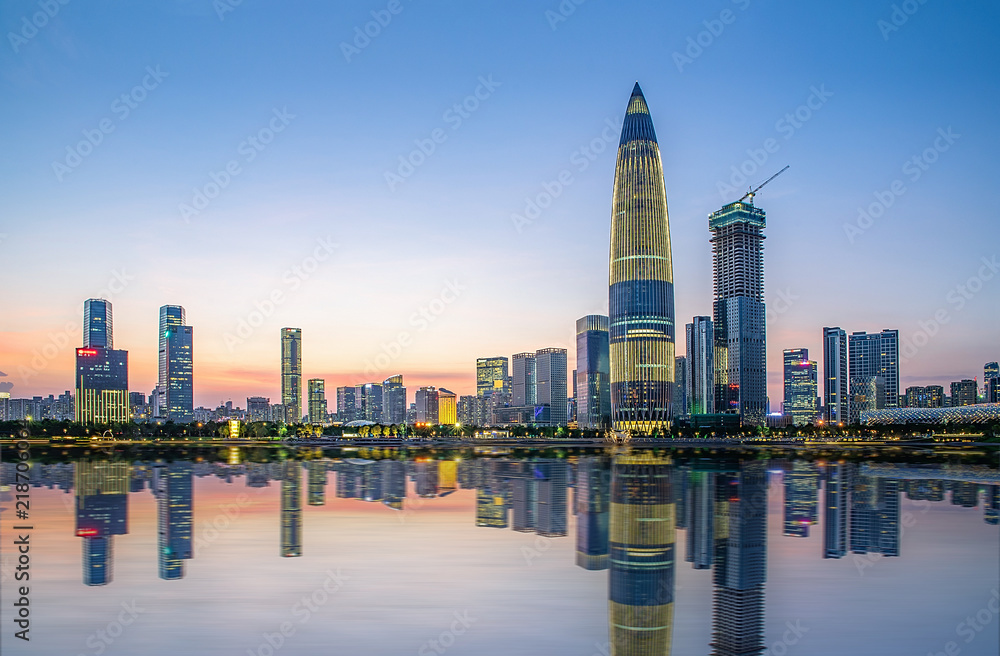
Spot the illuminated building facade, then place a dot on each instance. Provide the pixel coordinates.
(258, 408)
(393, 400)
(642, 536)
(931, 396)
(447, 407)
(291, 374)
(964, 392)
(426, 399)
(102, 386)
(800, 386)
(369, 400)
(593, 372)
(346, 404)
(491, 376)
(700, 363)
(836, 402)
(317, 401)
(983, 413)
(738, 313)
(874, 356)
(641, 285)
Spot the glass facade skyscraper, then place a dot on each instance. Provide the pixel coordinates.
(291, 374)
(836, 402)
(491, 376)
(874, 371)
(550, 383)
(593, 372)
(393, 400)
(800, 386)
(174, 396)
(641, 285)
(97, 324)
(700, 363)
(523, 377)
(317, 401)
(739, 313)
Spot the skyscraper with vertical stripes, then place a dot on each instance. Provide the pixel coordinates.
(641, 295)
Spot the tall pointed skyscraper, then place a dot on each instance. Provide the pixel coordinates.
(641, 298)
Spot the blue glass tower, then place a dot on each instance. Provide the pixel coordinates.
(641, 295)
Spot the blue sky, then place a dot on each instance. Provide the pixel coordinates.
(550, 89)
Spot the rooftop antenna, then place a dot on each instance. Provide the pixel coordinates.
(750, 194)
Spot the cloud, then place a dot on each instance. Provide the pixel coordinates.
(5, 387)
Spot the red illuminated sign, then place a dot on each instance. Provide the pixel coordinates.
(86, 532)
(86, 352)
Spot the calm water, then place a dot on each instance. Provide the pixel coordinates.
(234, 551)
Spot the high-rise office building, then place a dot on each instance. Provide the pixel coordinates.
(175, 381)
(836, 401)
(97, 324)
(447, 407)
(593, 372)
(346, 404)
(427, 405)
(800, 386)
(700, 378)
(965, 392)
(739, 313)
(317, 401)
(991, 370)
(550, 383)
(393, 400)
(291, 508)
(874, 355)
(642, 556)
(931, 396)
(491, 376)
(523, 379)
(993, 390)
(291, 374)
(680, 403)
(258, 408)
(369, 400)
(641, 285)
(101, 371)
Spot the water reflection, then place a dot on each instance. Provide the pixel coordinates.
(625, 511)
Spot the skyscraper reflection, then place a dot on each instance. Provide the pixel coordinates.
(740, 562)
(291, 509)
(172, 488)
(642, 534)
(317, 482)
(593, 486)
(801, 490)
(101, 513)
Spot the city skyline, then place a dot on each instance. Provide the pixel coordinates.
(838, 166)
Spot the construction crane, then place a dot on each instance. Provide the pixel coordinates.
(750, 193)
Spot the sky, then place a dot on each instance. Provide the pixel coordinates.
(439, 189)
